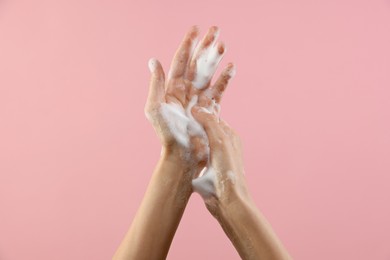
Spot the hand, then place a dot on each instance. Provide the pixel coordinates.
(223, 180)
(225, 193)
(169, 102)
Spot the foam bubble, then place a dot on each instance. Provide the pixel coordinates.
(205, 184)
(181, 123)
(207, 63)
(177, 122)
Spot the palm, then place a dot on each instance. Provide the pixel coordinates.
(170, 101)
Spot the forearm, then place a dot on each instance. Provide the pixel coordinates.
(250, 232)
(159, 214)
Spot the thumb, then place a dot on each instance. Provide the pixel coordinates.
(156, 85)
(210, 123)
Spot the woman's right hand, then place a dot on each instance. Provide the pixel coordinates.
(223, 181)
(225, 193)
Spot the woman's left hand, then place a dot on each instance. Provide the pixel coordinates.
(170, 100)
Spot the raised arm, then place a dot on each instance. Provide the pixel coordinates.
(185, 148)
(225, 194)
(159, 214)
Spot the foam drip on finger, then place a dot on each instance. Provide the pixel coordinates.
(207, 63)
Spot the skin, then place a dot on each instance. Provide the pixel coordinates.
(231, 204)
(156, 221)
(170, 186)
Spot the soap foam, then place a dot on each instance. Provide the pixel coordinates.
(206, 63)
(205, 184)
(177, 121)
(181, 123)
(231, 176)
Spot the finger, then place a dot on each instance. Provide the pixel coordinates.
(217, 90)
(211, 125)
(209, 38)
(156, 85)
(181, 58)
(205, 100)
(206, 58)
(233, 136)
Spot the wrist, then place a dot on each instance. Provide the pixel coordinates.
(178, 172)
(172, 152)
(173, 177)
(232, 202)
(174, 156)
(182, 158)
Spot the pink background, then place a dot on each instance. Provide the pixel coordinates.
(311, 100)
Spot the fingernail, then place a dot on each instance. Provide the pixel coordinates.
(216, 30)
(152, 64)
(232, 71)
(194, 31)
